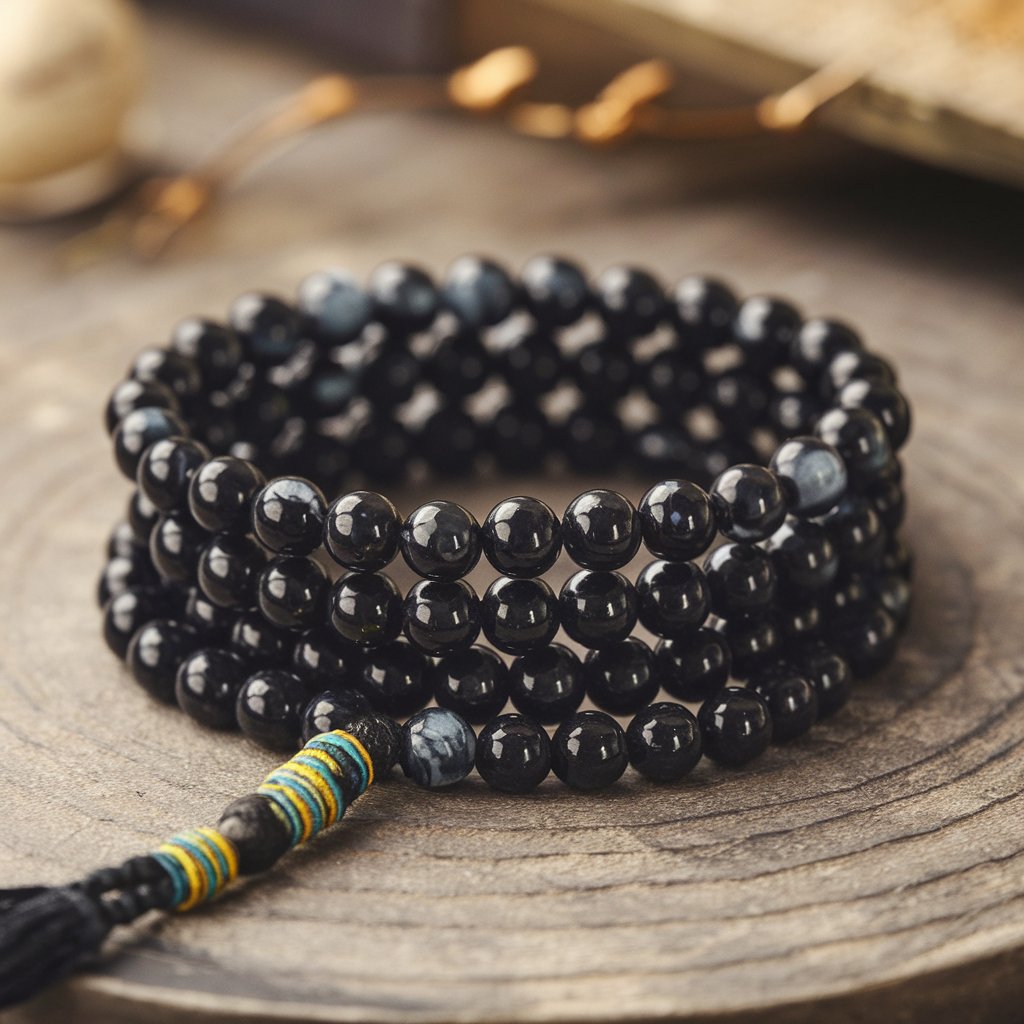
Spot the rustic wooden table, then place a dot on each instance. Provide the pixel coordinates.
(874, 869)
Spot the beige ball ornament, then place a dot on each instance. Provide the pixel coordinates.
(70, 74)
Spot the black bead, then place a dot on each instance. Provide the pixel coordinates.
(473, 682)
(604, 371)
(513, 754)
(288, 516)
(629, 300)
(620, 678)
(673, 381)
(270, 330)
(521, 537)
(889, 502)
(754, 641)
(893, 593)
(442, 616)
(126, 612)
(735, 726)
(593, 440)
(555, 291)
(176, 372)
(598, 608)
(175, 545)
(588, 751)
(749, 503)
(741, 579)
(155, 652)
(330, 710)
(132, 394)
(404, 296)
(207, 685)
(867, 638)
(258, 641)
(268, 707)
(600, 530)
(213, 623)
(365, 608)
(324, 459)
(799, 618)
(765, 329)
(692, 668)
(322, 662)
(123, 542)
(860, 438)
(440, 540)
(381, 738)
(479, 291)
(362, 531)
(817, 343)
(165, 470)
(211, 346)
(262, 415)
(521, 438)
(257, 831)
(885, 401)
(740, 400)
(519, 615)
(228, 568)
(849, 366)
(334, 306)
(290, 592)
(329, 390)
(395, 679)
(849, 593)
(459, 366)
(390, 375)
(897, 558)
(123, 572)
(791, 698)
(793, 412)
(674, 598)
(381, 448)
(664, 742)
(220, 494)
(677, 520)
(531, 362)
(828, 672)
(547, 684)
(803, 555)
(703, 310)
(139, 429)
(449, 442)
(856, 531)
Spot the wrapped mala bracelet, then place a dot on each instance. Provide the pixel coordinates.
(219, 594)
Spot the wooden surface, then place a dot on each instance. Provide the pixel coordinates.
(871, 871)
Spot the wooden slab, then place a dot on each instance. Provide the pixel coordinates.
(872, 871)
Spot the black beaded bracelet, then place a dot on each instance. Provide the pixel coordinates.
(217, 591)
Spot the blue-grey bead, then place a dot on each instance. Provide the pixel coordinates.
(438, 748)
(335, 304)
(479, 292)
(812, 473)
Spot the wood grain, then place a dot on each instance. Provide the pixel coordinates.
(871, 871)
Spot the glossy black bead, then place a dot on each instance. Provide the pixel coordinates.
(588, 751)
(601, 530)
(692, 668)
(885, 401)
(213, 623)
(673, 381)
(703, 310)
(324, 459)
(129, 610)
(793, 412)
(741, 578)
(211, 346)
(630, 300)
(176, 372)
(861, 440)
(817, 343)
(156, 650)
(207, 684)
(803, 555)
(390, 375)
(531, 362)
(442, 616)
(361, 531)
(849, 593)
(220, 494)
(519, 615)
(867, 638)
(124, 572)
(290, 592)
(754, 641)
(381, 448)
(330, 710)
(334, 306)
(547, 684)
(288, 516)
(473, 682)
(175, 545)
(269, 329)
(799, 618)
(404, 296)
(166, 469)
(765, 329)
(122, 541)
(735, 726)
(521, 438)
(664, 742)
(521, 537)
(268, 707)
(674, 598)
(259, 642)
(329, 390)
(889, 501)
(395, 679)
(828, 672)
(140, 428)
(665, 449)
(513, 754)
(365, 608)
(677, 520)
(897, 558)
(598, 608)
(133, 394)
(440, 540)
(791, 698)
(740, 400)
(593, 440)
(450, 441)
(459, 366)
(893, 593)
(228, 568)
(322, 662)
(812, 475)
(620, 678)
(856, 530)
(849, 366)
(479, 291)
(749, 503)
(604, 371)
(256, 831)
(554, 290)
